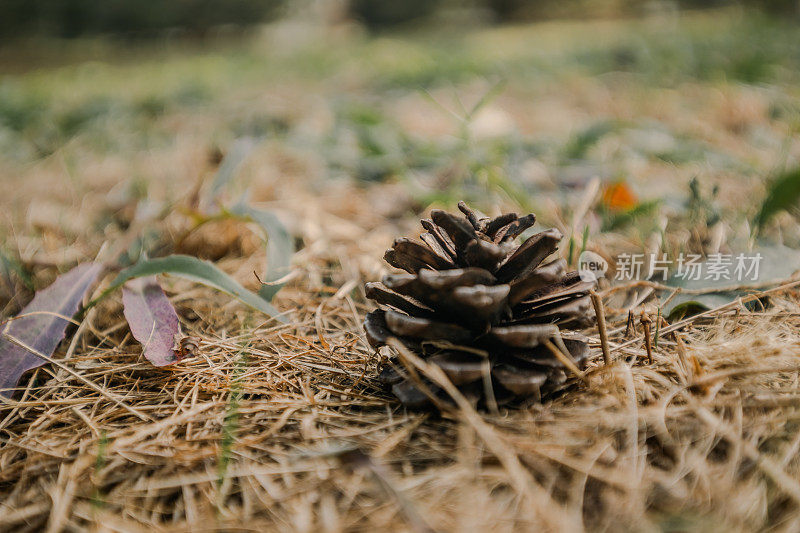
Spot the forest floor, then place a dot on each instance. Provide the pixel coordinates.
(646, 136)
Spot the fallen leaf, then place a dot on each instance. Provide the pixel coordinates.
(42, 323)
(152, 319)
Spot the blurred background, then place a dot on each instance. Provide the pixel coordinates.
(682, 109)
(199, 18)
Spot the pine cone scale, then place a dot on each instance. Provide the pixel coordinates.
(382, 295)
(518, 380)
(433, 243)
(536, 279)
(448, 279)
(460, 231)
(404, 325)
(423, 253)
(461, 368)
(513, 229)
(441, 237)
(530, 255)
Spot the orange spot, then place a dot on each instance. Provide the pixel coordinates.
(619, 197)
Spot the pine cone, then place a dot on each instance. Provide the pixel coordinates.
(470, 294)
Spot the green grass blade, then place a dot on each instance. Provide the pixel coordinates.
(585, 239)
(236, 156)
(196, 270)
(280, 247)
(493, 92)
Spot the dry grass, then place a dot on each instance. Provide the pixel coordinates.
(282, 426)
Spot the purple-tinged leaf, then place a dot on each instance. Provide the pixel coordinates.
(152, 319)
(42, 324)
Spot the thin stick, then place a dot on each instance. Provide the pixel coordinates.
(648, 342)
(491, 400)
(414, 376)
(565, 360)
(658, 327)
(680, 347)
(628, 323)
(727, 288)
(601, 325)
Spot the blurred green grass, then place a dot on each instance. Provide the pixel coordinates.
(126, 101)
(42, 109)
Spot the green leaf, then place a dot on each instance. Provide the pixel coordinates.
(280, 246)
(197, 270)
(693, 307)
(783, 193)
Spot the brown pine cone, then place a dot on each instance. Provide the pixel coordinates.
(471, 295)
